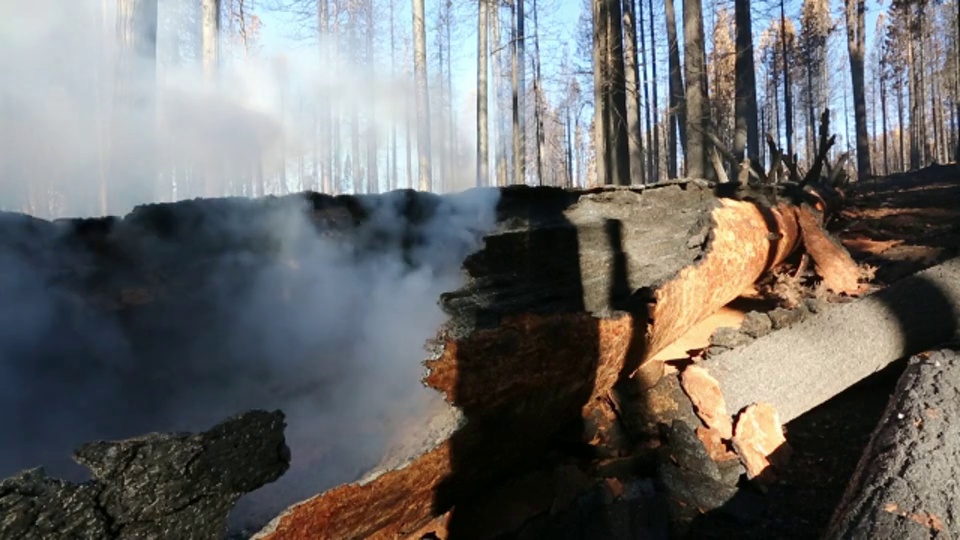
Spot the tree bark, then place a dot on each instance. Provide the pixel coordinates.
(423, 97)
(746, 138)
(904, 484)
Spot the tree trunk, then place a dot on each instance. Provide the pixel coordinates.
(654, 148)
(393, 175)
(209, 37)
(423, 97)
(678, 117)
(747, 138)
(519, 94)
(373, 180)
(633, 82)
(883, 115)
(787, 98)
(137, 35)
(900, 105)
(694, 71)
(855, 10)
(644, 85)
(600, 80)
(500, 159)
(538, 96)
(904, 484)
(482, 122)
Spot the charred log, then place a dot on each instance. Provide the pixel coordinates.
(905, 483)
(156, 486)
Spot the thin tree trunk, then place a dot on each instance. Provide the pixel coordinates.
(515, 44)
(423, 98)
(787, 100)
(520, 97)
(452, 126)
(633, 82)
(903, 154)
(600, 81)
(855, 45)
(678, 117)
(393, 174)
(373, 181)
(500, 160)
(619, 147)
(482, 135)
(655, 150)
(642, 86)
(538, 96)
(746, 137)
(883, 114)
(137, 36)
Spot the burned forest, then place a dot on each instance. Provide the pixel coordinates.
(518, 270)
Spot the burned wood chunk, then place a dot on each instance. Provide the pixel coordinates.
(756, 324)
(729, 338)
(782, 317)
(156, 486)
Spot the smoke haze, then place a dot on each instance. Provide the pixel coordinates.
(237, 304)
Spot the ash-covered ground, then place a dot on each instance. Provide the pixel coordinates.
(180, 315)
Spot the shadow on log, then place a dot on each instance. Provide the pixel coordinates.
(155, 486)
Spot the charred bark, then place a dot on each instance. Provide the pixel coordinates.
(156, 486)
(905, 483)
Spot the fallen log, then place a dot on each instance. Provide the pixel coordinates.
(573, 292)
(156, 486)
(905, 485)
(800, 367)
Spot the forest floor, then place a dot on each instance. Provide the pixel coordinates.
(899, 224)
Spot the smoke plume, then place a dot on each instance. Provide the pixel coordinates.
(225, 305)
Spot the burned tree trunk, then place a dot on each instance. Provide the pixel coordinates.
(905, 483)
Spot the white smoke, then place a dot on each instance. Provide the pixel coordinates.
(239, 304)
